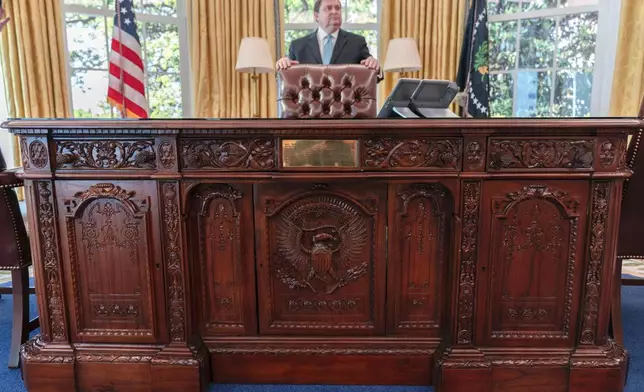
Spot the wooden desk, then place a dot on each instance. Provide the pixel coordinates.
(470, 255)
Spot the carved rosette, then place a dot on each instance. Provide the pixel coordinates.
(51, 262)
(390, 153)
(167, 154)
(601, 193)
(541, 154)
(257, 154)
(475, 157)
(471, 207)
(608, 153)
(174, 271)
(38, 154)
(105, 154)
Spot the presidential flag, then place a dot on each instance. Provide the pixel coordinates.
(126, 89)
(473, 71)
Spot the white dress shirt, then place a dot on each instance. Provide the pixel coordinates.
(321, 40)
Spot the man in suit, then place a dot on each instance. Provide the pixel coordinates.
(329, 44)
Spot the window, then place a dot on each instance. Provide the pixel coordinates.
(6, 139)
(359, 17)
(163, 34)
(550, 58)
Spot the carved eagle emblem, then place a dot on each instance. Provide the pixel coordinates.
(321, 242)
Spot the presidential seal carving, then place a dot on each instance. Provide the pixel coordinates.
(321, 242)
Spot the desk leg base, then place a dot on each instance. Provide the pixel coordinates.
(181, 369)
(463, 370)
(599, 369)
(47, 367)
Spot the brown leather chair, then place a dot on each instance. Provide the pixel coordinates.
(328, 91)
(15, 256)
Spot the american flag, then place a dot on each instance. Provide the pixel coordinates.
(126, 89)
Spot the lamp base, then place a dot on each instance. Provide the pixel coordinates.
(254, 80)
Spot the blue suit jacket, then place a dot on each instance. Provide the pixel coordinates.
(349, 49)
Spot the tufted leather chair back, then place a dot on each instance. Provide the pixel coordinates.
(328, 91)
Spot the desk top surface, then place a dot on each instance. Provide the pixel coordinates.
(456, 125)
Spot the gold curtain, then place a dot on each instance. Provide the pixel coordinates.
(216, 30)
(33, 58)
(436, 25)
(628, 77)
(33, 62)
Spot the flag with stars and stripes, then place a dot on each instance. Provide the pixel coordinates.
(126, 88)
(473, 71)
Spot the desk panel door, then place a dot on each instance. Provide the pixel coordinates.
(320, 258)
(112, 260)
(531, 262)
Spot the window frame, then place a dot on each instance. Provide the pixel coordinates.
(608, 14)
(180, 20)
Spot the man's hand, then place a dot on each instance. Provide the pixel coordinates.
(3, 21)
(285, 63)
(371, 62)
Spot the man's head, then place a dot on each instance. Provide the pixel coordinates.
(328, 15)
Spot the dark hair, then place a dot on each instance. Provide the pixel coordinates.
(316, 5)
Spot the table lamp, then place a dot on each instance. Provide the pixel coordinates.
(254, 58)
(402, 56)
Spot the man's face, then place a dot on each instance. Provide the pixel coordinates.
(330, 16)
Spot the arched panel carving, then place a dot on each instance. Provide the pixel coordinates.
(418, 256)
(534, 263)
(107, 229)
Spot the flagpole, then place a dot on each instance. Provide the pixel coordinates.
(121, 82)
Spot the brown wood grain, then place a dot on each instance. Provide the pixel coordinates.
(469, 255)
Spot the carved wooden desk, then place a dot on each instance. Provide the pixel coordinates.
(471, 255)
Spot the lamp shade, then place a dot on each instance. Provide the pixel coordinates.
(402, 56)
(254, 56)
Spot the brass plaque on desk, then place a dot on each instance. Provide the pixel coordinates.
(320, 153)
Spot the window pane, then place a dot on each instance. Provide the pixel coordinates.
(290, 35)
(533, 5)
(372, 40)
(576, 3)
(537, 43)
(162, 47)
(577, 36)
(86, 40)
(89, 94)
(533, 94)
(573, 94)
(165, 95)
(361, 11)
(298, 11)
(496, 7)
(501, 93)
(503, 45)
(86, 3)
(160, 7)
